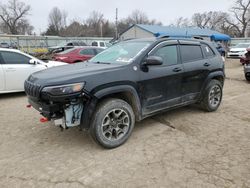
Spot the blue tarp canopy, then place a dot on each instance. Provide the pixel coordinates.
(188, 32)
(220, 37)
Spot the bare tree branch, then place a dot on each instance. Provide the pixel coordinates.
(12, 14)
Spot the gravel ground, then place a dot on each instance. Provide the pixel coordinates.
(182, 148)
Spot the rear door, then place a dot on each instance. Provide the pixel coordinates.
(17, 69)
(2, 76)
(196, 70)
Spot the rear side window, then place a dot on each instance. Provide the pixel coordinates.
(94, 44)
(168, 54)
(14, 58)
(82, 44)
(208, 52)
(102, 44)
(191, 53)
(87, 52)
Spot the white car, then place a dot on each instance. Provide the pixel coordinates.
(15, 68)
(239, 50)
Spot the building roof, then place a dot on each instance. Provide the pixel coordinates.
(159, 31)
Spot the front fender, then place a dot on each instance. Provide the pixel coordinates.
(120, 89)
(90, 106)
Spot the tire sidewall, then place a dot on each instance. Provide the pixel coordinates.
(98, 119)
(208, 90)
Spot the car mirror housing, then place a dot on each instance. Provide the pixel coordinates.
(33, 62)
(153, 60)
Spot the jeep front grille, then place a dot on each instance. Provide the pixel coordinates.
(32, 89)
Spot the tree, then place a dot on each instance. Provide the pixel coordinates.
(240, 10)
(57, 21)
(181, 22)
(75, 28)
(24, 27)
(201, 19)
(139, 17)
(13, 16)
(94, 23)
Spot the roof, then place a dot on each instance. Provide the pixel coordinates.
(9, 50)
(188, 32)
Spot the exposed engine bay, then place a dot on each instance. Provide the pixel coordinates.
(72, 115)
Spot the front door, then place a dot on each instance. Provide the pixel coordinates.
(161, 85)
(17, 69)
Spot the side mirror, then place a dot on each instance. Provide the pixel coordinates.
(33, 62)
(153, 60)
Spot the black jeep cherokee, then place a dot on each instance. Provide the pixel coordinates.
(128, 82)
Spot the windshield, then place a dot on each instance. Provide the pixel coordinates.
(123, 52)
(242, 45)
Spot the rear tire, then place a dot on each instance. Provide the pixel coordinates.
(212, 96)
(112, 123)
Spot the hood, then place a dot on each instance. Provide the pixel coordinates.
(71, 73)
(237, 49)
(50, 64)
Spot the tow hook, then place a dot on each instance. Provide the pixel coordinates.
(28, 106)
(44, 120)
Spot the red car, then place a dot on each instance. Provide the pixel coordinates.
(77, 54)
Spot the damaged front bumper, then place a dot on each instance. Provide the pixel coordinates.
(67, 111)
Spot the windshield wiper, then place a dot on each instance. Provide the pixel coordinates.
(98, 62)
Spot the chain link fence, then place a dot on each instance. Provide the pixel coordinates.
(235, 41)
(40, 44)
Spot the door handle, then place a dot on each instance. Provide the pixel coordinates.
(206, 64)
(177, 69)
(10, 69)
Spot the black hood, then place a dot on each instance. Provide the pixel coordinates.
(73, 73)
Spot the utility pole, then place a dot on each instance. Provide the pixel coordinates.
(116, 23)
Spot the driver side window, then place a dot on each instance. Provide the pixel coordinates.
(168, 54)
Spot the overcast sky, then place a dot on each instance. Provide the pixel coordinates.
(165, 11)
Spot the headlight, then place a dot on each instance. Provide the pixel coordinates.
(64, 89)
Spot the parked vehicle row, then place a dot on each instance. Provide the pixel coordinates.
(8, 45)
(16, 66)
(65, 46)
(69, 45)
(128, 82)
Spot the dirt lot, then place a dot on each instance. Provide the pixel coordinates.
(200, 150)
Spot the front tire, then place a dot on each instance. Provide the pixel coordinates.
(112, 123)
(212, 96)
